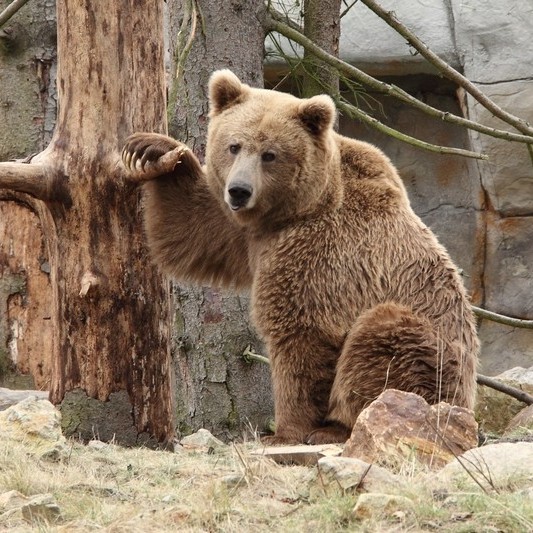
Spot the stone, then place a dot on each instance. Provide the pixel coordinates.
(350, 473)
(401, 426)
(98, 444)
(494, 409)
(521, 423)
(34, 509)
(528, 492)
(202, 440)
(232, 481)
(9, 397)
(377, 505)
(301, 455)
(495, 466)
(12, 499)
(41, 508)
(37, 423)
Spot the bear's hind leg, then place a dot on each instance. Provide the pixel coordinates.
(389, 347)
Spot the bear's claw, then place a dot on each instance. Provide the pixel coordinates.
(161, 153)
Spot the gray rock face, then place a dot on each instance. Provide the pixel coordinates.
(483, 211)
(508, 174)
(493, 39)
(371, 44)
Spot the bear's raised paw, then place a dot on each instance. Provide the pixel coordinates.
(149, 155)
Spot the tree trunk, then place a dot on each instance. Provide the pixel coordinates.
(28, 103)
(321, 25)
(111, 359)
(216, 388)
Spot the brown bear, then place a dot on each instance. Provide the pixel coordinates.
(351, 292)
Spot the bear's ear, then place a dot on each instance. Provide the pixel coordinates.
(225, 89)
(317, 114)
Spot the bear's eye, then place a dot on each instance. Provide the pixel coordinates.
(234, 148)
(267, 157)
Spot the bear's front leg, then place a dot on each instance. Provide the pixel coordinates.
(303, 370)
(149, 155)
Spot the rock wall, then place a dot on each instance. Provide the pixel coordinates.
(482, 211)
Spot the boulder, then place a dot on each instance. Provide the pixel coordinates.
(377, 505)
(9, 397)
(41, 508)
(38, 509)
(521, 423)
(202, 440)
(494, 409)
(301, 455)
(37, 423)
(349, 473)
(401, 426)
(493, 467)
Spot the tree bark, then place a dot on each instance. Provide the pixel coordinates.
(321, 25)
(111, 359)
(28, 103)
(215, 387)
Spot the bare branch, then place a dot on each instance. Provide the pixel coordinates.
(10, 10)
(481, 379)
(506, 389)
(390, 18)
(250, 356)
(354, 111)
(275, 22)
(347, 8)
(502, 319)
(32, 179)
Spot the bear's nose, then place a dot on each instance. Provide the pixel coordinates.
(239, 194)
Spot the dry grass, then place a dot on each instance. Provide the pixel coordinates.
(114, 489)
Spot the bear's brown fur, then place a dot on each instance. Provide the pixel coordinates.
(351, 292)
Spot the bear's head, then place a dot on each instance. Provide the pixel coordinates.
(271, 157)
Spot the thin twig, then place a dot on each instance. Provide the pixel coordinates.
(10, 10)
(502, 319)
(275, 22)
(354, 111)
(252, 356)
(347, 8)
(390, 18)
